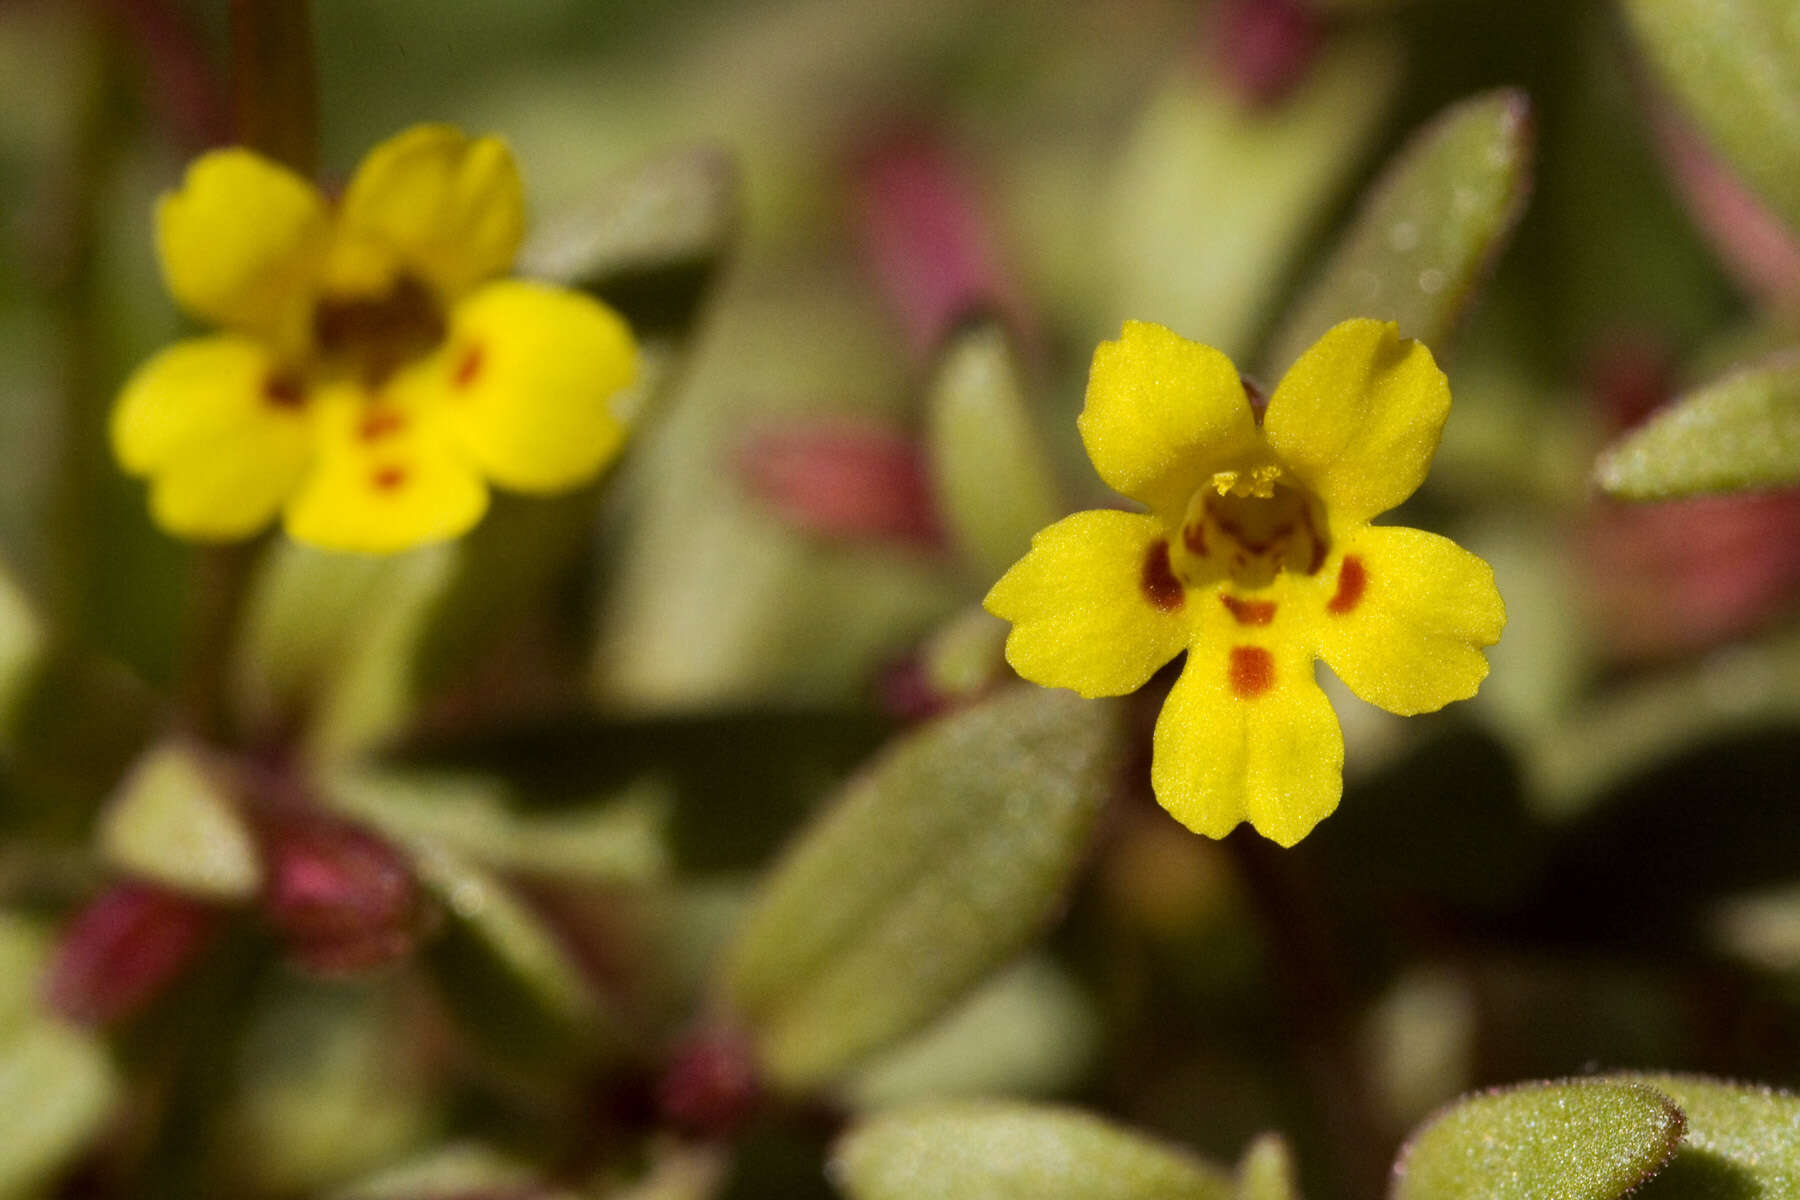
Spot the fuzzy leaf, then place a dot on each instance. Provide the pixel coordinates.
(175, 821)
(1267, 1171)
(1742, 1142)
(1742, 431)
(999, 1151)
(1735, 64)
(56, 1086)
(1428, 231)
(934, 867)
(994, 485)
(1575, 1140)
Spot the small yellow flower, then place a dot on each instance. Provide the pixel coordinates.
(373, 374)
(1256, 557)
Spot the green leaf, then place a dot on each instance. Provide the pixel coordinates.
(1742, 431)
(1742, 1142)
(1735, 65)
(1211, 198)
(998, 1151)
(460, 1169)
(176, 821)
(935, 867)
(1266, 1171)
(1576, 1140)
(993, 482)
(1427, 232)
(56, 1088)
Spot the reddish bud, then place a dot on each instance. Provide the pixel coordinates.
(122, 950)
(846, 481)
(1264, 47)
(1629, 377)
(710, 1088)
(343, 899)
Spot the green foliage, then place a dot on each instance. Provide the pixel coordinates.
(932, 869)
(1739, 432)
(1743, 1142)
(176, 821)
(996, 1151)
(1578, 1140)
(1267, 1171)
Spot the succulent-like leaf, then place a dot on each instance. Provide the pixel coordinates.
(1267, 1171)
(1739, 432)
(998, 1151)
(934, 868)
(459, 1169)
(56, 1087)
(1571, 1140)
(1741, 1141)
(1428, 231)
(175, 821)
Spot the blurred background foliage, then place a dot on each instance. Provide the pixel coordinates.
(683, 837)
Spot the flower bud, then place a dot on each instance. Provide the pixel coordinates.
(342, 899)
(710, 1088)
(120, 952)
(1264, 47)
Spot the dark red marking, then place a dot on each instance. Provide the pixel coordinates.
(1194, 538)
(1248, 612)
(468, 367)
(379, 424)
(1319, 548)
(1252, 671)
(1158, 580)
(283, 391)
(386, 479)
(1353, 580)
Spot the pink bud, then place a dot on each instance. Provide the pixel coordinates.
(343, 899)
(120, 952)
(710, 1087)
(844, 480)
(1264, 47)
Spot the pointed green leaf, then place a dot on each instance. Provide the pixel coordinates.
(935, 867)
(176, 821)
(1735, 65)
(1742, 431)
(460, 1169)
(997, 1151)
(1428, 231)
(1742, 1141)
(993, 482)
(1576, 1140)
(1266, 1171)
(56, 1088)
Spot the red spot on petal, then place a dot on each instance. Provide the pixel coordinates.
(1353, 579)
(468, 366)
(1248, 612)
(379, 424)
(386, 479)
(283, 391)
(1252, 671)
(1194, 538)
(1158, 579)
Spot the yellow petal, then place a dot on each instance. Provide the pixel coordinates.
(1358, 418)
(1247, 734)
(1407, 617)
(387, 478)
(451, 206)
(1094, 605)
(240, 242)
(222, 434)
(1162, 414)
(527, 379)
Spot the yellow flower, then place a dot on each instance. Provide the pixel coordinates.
(1256, 557)
(373, 374)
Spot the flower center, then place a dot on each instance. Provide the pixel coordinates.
(1249, 526)
(369, 337)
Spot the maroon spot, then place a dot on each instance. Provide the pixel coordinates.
(283, 391)
(379, 424)
(1318, 543)
(386, 479)
(1353, 578)
(1252, 671)
(1159, 582)
(468, 367)
(1248, 612)
(1194, 538)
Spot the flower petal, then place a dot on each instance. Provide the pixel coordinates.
(240, 241)
(527, 377)
(1162, 414)
(223, 436)
(1358, 418)
(1411, 610)
(1094, 604)
(452, 206)
(387, 478)
(1247, 734)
